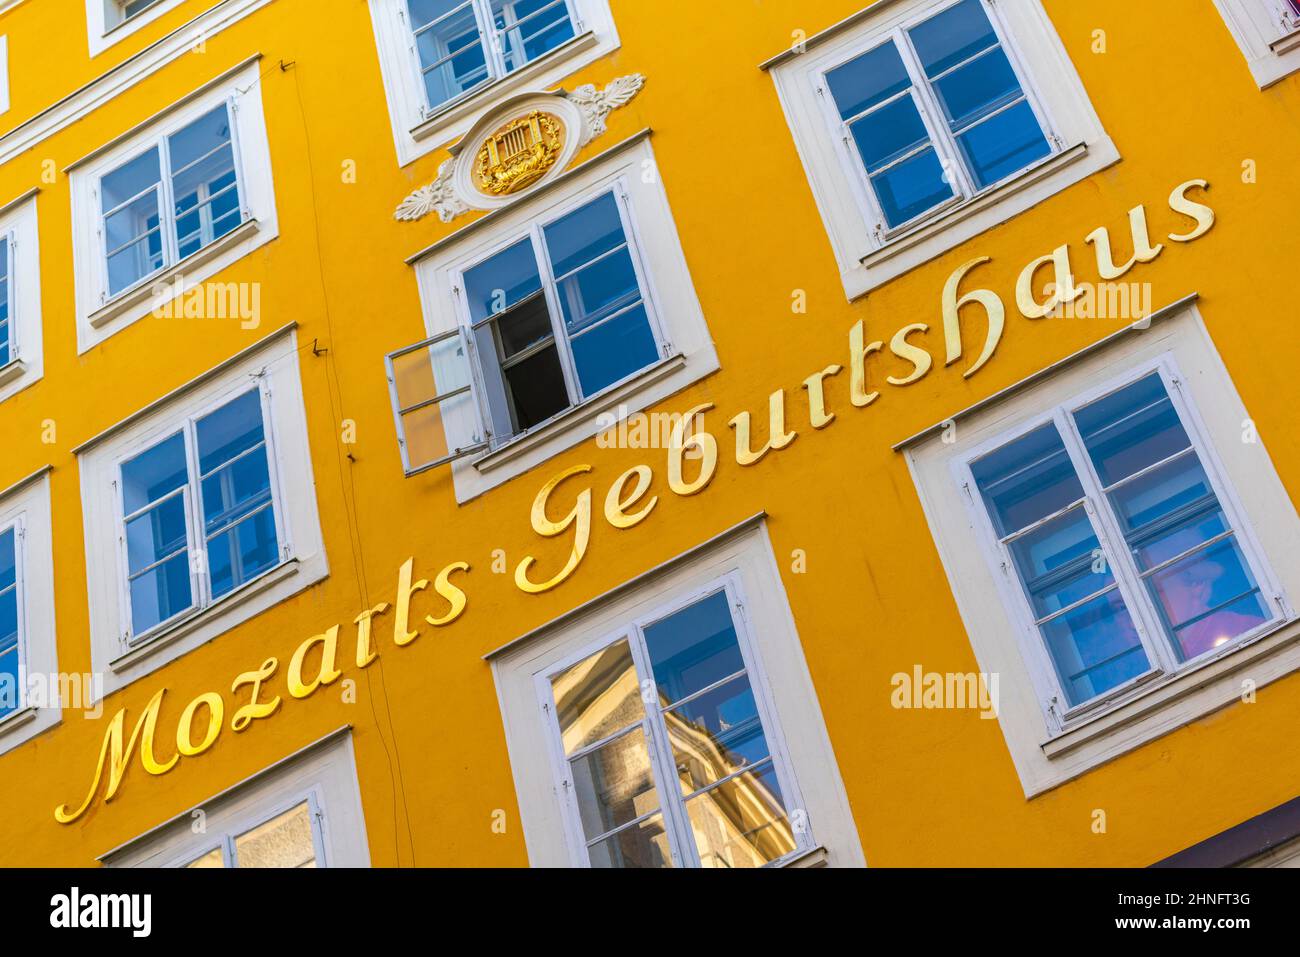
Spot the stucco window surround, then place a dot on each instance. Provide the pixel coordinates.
(102, 310)
(742, 559)
(270, 366)
(1049, 748)
(1268, 33)
(110, 21)
(867, 251)
(21, 337)
(25, 515)
(419, 128)
(628, 171)
(320, 779)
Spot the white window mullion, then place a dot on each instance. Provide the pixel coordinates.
(167, 206)
(1023, 76)
(200, 574)
(959, 177)
(493, 43)
(1110, 536)
(632, 238)
(677, 825)
(552, 293)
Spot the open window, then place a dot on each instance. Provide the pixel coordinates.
(431, 386)
(1268, 33)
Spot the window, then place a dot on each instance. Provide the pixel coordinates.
(11, 653)
(936, 114)
(1123, 462)
(8, 344)
(4, 74)
(1268, 33)
(439, 57)
(199, 514)
(21, 354)
(289, 839)
(33, 694)
(721, 781)
(121, 10)
(462, 45)
(1118, 543)
(673, 723)
(925, 122)
(109, 21)
(302, 812)
(577, 297)
(170, 201)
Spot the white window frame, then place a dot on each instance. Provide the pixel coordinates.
(1156, 645)
(418, 129)
(868, 251)
(104, 27)
(26, 365)
(273, 365)
(192, 494)
(25, 507)
(323, 774)
(99, 314)
(741, 560)
(687, 353)
(1049, 749)
(4, 74)
(1268, 34)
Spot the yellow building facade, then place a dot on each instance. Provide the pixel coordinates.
(434, 427)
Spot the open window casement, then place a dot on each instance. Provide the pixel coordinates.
(435, 406)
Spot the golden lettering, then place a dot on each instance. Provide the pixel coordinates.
(617, 505)
(818, 417)
(1143, 251)
(405, 589)
(952, 320)
(254, 709)
(328, 673)
(777, 437)
(454, 595)
(858, 353)
(678, 443)
(919, 358)
(579, 517)
(365, 649)
(185, 729)
(1062, 286)
(1199, 212)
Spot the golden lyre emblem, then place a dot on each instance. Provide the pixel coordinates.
(518, 154)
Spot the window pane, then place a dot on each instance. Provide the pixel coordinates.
(133, 242)
(867, 80)
(234, 428)
(1059, 561)
(152, 474)
(977, 89)
(242, 552)
(1095, 647)
(536, 388)
(214, 858)
(642, 845)
(496, 284)
(450, 49)
(6, 334)
(9, 658)
(527, 324)
(888, 133)
(598, 290)
(579, 237)
(956, 34)
(1003, 144)
(1027, 480)
(203, 181)
(283, 841)
(693, 648)
(530, 28)
(613, 351)
(160, 593)
(742, 823)
(1209, 598)
(913, 186)
(1131, 429)
(597, 697)
(614, 784)
(1175, 489)
(153, 535)
(129, 180)
(715, 734)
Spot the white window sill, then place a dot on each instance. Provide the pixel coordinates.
(472, 101)
(558, 425)
(1163, 692)
(911, 237)
(813, 857)
(1286, 43)
(12, 371)
(134, 296)
(178, 629)
(19, 719)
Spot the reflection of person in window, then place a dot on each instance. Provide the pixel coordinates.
(1190, 593)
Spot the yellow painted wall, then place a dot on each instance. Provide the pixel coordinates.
(926, 788)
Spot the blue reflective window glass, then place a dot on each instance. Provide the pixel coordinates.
(6, 287)
(1095, 647)
(1027, 480)
(238, 512)
(157, 545)
(1172, 519)
(530, 28)
(450, 48)
(600, 297)
(10, 663)
(693, 648)
(952, 36)
(204, 184)
(500, 283)
(866, 80)
(130, 204)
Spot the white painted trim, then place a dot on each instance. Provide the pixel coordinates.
(4, 74)
(669, 292)
(98, 315)
(18, 221)
(275, 364)
(416, 135)
(25, 506)
(777, 668)
(1251, 491)
(1267, 34)
(324, 774)
(1051, 85)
